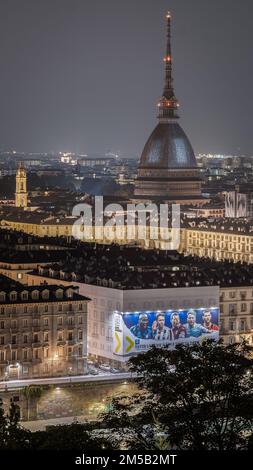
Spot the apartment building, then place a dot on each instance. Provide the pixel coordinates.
(43, 330)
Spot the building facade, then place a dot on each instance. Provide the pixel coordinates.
(218, 242)
(43, 331)
(235, 304)
(236, 310)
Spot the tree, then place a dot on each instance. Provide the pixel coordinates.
(73, 436)
(12, 436)
(196, 397)
(31, 392)
(3, 426)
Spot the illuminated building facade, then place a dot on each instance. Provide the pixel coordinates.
(106, 301)
(210, 284)
(43, 330)
(219, 240)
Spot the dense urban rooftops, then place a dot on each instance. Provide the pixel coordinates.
(134, 268)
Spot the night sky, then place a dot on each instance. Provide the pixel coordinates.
(85, 75)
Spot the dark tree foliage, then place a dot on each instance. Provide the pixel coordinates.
(12, 436)
(75, 436)
(195, 397)
(69, 437)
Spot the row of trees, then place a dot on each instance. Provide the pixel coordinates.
(195, 397)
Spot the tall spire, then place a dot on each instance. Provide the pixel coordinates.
(168, 103)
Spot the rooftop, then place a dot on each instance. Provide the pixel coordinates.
(229, 225)
(168, 147)
(31, 257)
(12, 292)
(130, 268)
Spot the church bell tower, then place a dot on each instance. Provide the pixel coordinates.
(21, 196)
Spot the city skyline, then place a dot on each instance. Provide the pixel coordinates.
(87, 77)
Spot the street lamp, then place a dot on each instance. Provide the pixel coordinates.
(70, 372)
(18, 366)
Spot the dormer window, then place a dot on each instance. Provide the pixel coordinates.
(13, 296)
(59, 294)
(45, 294)
(69, 293)
(35, 294)
(24, 295)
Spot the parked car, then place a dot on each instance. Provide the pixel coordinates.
(93, 371)
(105, 367)
(113, 370)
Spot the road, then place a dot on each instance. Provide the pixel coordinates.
(102, 377)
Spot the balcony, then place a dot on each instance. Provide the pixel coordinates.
(14, 330)
(36, 315)
(71, 342)
(25, 328)
(36, 344)
(4, 362)
(36, 360)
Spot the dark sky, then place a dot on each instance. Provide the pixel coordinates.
(85, 75)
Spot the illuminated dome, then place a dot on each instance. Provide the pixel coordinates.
(168, 147)
(168, 168)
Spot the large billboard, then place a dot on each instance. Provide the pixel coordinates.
(241, 205)
(136, 332)
(235, 204)
(230, 204)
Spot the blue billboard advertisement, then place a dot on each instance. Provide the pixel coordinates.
(138, 331)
